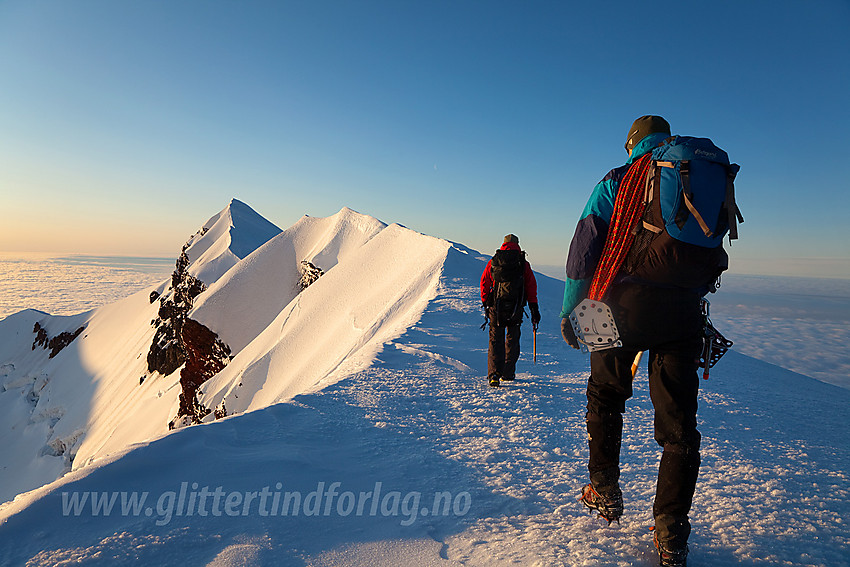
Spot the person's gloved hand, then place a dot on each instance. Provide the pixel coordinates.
(568, 333)
(535, 313)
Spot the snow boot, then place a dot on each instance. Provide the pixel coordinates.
(494, 380)
(669, 556)
(609, 506)
(507, 378)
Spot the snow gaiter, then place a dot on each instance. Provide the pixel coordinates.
(605, 432)
(677, 478)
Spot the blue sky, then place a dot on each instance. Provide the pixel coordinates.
(125, 125)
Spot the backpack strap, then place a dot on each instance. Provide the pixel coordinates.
(649, 193)
(731, 206)
(685, 173)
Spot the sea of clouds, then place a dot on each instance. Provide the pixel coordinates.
(72, 284)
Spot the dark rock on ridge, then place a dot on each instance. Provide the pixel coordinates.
(57, 343)
(167, 353)
(206, 356)
(309, 274)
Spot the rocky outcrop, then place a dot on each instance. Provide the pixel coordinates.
(41, 337)
(167, 353)
(206, 355)
(309, 274)
(55, 344)
(181, 341)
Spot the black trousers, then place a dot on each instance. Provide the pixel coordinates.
(668, 324)
(503, 351)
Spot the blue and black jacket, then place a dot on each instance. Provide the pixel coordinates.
(659, 260)
(589, 239)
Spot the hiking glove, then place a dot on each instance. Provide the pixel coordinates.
(489, 301)
(535, 313)
(568, 333)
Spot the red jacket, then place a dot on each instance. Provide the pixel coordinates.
(528, 277)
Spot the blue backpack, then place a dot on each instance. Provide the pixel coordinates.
(696, 186)
(690, 207)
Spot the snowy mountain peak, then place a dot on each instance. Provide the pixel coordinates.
(227, 237)
(347, 214)
(249, 230)
(332, 238)
(350, 217)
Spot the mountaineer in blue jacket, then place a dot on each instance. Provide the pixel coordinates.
(589, 239)
(655, 300)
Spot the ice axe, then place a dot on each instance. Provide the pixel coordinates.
(636, 363)
(534, 357)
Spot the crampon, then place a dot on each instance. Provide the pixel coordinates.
(609, 507)
(667, 556)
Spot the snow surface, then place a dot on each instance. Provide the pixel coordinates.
(380, 366)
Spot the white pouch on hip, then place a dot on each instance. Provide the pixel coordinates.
(594, 326)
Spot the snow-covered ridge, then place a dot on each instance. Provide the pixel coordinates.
(97, 396)
(241, 303)
(334, 327)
